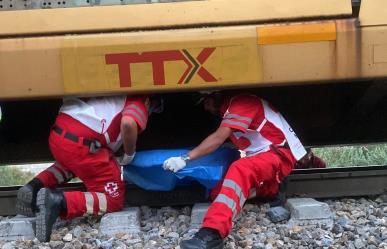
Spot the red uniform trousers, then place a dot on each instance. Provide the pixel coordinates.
(99, 172)
(261, 173)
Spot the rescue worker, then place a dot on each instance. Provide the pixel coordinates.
(82, 141)
(272, 149)
(310, 160)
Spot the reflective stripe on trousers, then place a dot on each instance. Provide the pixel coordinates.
(60, 173)
(230, 203)
(100, 202)
(241, 179)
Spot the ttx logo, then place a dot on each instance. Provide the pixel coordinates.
(157, 58)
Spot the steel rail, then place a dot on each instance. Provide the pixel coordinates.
(338, 182)
(314, 183)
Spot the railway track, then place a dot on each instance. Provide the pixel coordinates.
(315, 183)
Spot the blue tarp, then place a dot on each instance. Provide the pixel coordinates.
(146, 170)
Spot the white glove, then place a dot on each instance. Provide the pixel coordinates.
(174, 164)
(126, 159)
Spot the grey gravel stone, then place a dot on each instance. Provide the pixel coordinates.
(258, 246)
(359, 243)
(56, 244)
(307, 209)
(77, 231)
(19, 227)
(337, 229)
(68, 237)
(343, 221)
(107, 244)
(8, 245)
(173, 235)
(309, 212)
(127, 221)
(326, 242)
(353, 227)
(68, 246)
(277, 214)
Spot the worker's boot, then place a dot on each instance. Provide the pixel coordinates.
(205, 238)
(280, 199)
(26, 198)
(50, 204)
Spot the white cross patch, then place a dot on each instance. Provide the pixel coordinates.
(111, 188)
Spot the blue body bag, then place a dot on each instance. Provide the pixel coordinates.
(146, 170)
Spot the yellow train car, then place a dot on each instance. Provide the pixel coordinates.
(322, 62)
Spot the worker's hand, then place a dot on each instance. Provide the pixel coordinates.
(126, 159)
(174, 164)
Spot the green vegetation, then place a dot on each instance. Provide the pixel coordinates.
(342, 156)
(347, 156)
(10, 176)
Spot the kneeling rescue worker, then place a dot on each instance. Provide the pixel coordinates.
(85, 136)
(272, 150)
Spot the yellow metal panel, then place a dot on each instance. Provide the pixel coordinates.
(306, 61)
(190, 59)
(374, 51)
(30, 67)
(298, 61)
(373, 12)
(296, 33)
(166, 15)
(160, 60)
(380, 53)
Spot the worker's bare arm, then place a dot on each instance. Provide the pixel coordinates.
(211, 143)
(129, 134)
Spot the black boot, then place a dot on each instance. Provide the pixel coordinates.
(205, 238)
(281, 196)
(50, 204)
(26, 198)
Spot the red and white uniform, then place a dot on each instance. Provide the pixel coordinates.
(256, 128)
(99, 119)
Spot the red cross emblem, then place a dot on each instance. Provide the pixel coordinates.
(111, 188)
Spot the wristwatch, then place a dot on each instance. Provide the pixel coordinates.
(185, 157)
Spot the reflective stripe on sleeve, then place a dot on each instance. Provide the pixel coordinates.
(135, 114)
(236, 116)
(233, 122)
(136, 108)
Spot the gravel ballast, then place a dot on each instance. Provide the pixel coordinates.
(357, 223)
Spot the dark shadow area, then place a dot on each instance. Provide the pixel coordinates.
(341, 113)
